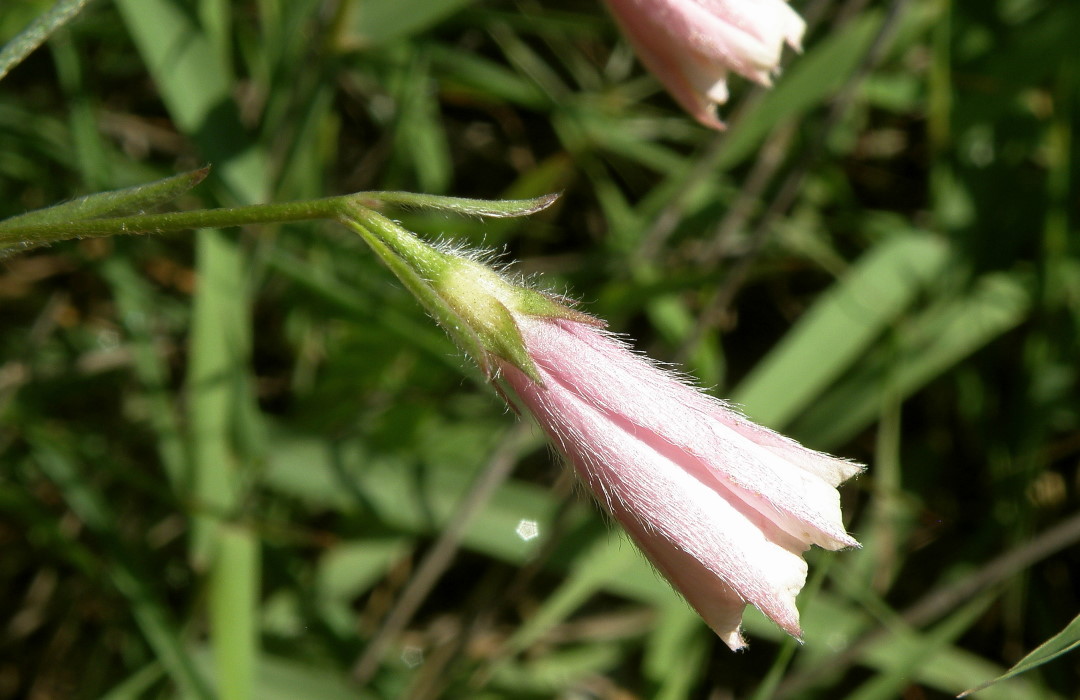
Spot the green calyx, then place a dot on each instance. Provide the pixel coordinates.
(490, 306)
(477, 306)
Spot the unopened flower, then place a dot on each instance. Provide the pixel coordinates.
(692, 45)
(723, 508)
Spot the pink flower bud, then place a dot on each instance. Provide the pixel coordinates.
(691, 45)
(724, 508)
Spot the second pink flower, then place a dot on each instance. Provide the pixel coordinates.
(692, 45)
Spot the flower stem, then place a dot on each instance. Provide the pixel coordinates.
(172, 221)
(37, 231)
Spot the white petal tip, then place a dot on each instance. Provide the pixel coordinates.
(718, 93)
(837, 542)
(734, 640)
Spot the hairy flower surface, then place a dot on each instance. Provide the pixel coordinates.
(692, 45)
(724, 508)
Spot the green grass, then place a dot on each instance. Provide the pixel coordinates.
(227, 456)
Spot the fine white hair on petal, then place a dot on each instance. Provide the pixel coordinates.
(722, 507)
(625, 384)
(633, 474)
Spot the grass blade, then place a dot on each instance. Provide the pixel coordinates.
(16, 50)
(1061, 643)
(835, 333)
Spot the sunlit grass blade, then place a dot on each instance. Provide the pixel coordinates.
(284, 678)
(193, 74)
(375, 22)
(676, 650)
(584, 582)
(834, 334)
(921, 657)
(189, 61)
(837, 622)
(806, 82)
(234, 607)
(928, 345)
(137, 685)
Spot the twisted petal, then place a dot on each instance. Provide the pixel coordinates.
(722, 507)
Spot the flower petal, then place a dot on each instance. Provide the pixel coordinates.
(674, 507)
(800, 501)
(691, 45)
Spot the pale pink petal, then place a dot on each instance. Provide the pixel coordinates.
(722, 507)
(691, 45)
(767, 20)
(832, 470)
(690, 79)
(624, 384)
(719, 606)
(675, 505)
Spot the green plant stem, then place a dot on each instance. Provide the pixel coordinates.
(343, 208)
(176, 221)
(413, 262)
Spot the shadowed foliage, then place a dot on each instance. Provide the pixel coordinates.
(243, 463)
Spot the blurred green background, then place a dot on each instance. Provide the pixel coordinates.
(243, 464)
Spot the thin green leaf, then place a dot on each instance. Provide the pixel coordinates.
(1060, 644)
(804, 85)
(24, 44)
(375, 22)
(549, 674)
(130, 200)
(580, 585)
(676, 649)
(220, 345)
(496, 209)
(192, 71)
(137, 685)
(280, 678)
(920, 657)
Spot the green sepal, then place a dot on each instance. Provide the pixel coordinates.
(535, 303)
(487, 303)
(476, 305)
(508, 344)
(426, 272)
